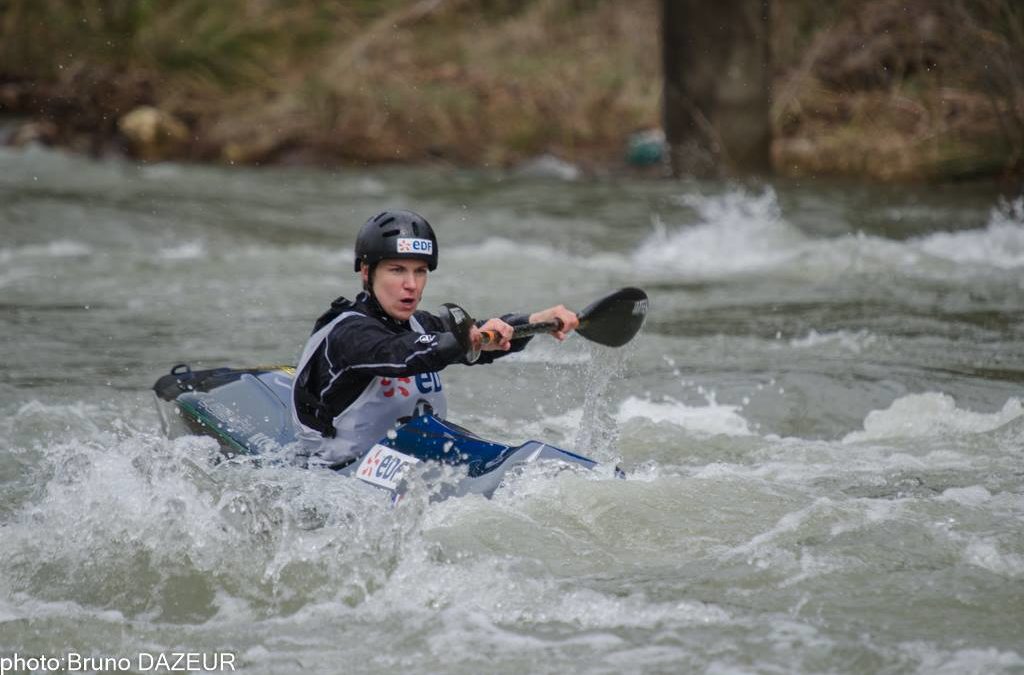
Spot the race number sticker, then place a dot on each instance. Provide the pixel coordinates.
(384, 467)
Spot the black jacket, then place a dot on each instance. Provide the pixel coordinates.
(361, 348)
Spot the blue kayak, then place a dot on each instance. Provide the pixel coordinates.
(249, 412)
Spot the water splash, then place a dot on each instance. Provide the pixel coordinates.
(598, 432)
(737, 233)
(148, 528)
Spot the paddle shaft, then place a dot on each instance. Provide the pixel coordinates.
(611, 321)
(522, 330)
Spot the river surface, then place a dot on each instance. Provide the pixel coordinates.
(822, 424)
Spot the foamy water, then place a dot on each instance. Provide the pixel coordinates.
(740, 233)
(1000, 244)
(822, 425)
(931, 414)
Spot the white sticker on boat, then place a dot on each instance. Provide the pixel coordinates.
(384, 467)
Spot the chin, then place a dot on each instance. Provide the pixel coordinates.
(402, 314)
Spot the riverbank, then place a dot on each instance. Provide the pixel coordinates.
(881, 90)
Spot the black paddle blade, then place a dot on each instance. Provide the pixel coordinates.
(614, 319)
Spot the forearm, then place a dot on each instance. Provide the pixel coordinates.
(380, 352)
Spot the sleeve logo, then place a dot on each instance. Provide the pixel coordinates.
(406, 245)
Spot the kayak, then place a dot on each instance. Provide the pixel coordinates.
(249, 412)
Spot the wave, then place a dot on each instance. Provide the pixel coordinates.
(61, 248)
(712, 419)
(740, 233)
(853, 341)
(931, 414)
(188, 250)
(507, 251)
(999, 244)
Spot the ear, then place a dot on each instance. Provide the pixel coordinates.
(364, 273)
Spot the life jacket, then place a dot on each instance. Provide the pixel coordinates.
(340, 438)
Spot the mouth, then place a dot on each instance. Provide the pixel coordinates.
(407, 303)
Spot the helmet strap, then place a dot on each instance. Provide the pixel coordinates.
(368, 284)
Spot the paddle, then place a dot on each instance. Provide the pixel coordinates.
(611, 321)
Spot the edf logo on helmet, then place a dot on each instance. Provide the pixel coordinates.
(425, 382)
(406, 245)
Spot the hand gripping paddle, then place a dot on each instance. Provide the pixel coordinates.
(611, 321)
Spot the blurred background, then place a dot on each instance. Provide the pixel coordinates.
(885, 89)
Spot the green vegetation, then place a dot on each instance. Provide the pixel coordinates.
(890, 89)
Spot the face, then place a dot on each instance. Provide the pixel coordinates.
(398, 285)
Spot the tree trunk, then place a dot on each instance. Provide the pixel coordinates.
(717, 68)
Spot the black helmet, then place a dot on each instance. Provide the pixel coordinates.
(396, 234)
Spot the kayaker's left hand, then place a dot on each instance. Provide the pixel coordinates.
(498, 326)
(566, 316)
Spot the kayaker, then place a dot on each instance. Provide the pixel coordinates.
(370, 360)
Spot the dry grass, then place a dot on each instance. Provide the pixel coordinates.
(469, 81)
(467, 85)
(907, 89)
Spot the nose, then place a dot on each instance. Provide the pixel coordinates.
(409, 281)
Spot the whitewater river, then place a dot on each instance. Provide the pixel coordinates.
(822, 424)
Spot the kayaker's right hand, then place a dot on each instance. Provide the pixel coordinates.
(567, 317)
(502, 329)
